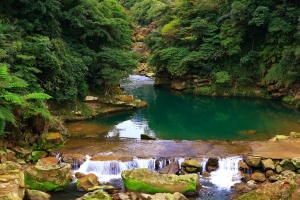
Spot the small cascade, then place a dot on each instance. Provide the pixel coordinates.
(227, 174)
(223, 178)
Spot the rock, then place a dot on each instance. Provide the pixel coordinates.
(48, 161)
(191, 166)
(79, 175)
(144, 180)
(3, 156)
(124, 97)
(274, 178)
(248, 132)
(268, 164)
(170, 169)
(213, 161)
(22, 152)
(48, 177)
(285, 189)
(11, 156)
(87, 182)
(287, 173)
(11, 181)
(286, 164)
(205, 174)
(37, 195)
(123, 196)
(243, 166)
(294, 135)
(270, 173)
(91, 98)
(147, 137)
(97, 194)
(253, 161)
(178, 84)
(251, 185)
(211, 168)
(36, 155)
(279, 138)
(179, 196)
(296, 162)
(74, 159)
(50, 140)
(257, 176)
(108, 188)
(238, 186)
(133, 196)
(278, 169)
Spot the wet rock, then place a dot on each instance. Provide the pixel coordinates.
(147, 137)
(164, 196)
(74, 159)
(191, 166)
(91, 98)
(37, 195)
(258, 176)
(44, 177)
(170, 169)
(148, 181)
(48, 161)
(11, 155)
(268, 164)
(213, 161)
(11, 181)
(206, 174)
(79, 175)
(97, 194)
(243, 166)
(253, 161)
(296, 162)
(87, 182)
(274, 178)
(178, 84)
(179, 196)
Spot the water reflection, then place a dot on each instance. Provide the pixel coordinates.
(173, 115)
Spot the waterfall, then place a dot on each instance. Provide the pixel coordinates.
(224, 177)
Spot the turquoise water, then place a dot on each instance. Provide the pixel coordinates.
(174, 115)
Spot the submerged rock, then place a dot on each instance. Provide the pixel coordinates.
(145, 180)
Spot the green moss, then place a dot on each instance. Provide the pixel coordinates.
(134, 185)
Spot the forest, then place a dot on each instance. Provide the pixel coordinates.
(63, 49)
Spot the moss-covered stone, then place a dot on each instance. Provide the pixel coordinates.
(144, 180)
(48, 177)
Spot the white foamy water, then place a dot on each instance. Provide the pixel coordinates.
(223, 178)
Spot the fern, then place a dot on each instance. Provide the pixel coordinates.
(36, 96)
(2, 127)
(6, 114)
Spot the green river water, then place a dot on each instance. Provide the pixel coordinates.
(174, 115)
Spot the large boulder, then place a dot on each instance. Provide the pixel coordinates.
(86, 182)
(170, 169)
(11, 181)
(48, 177)
(145, 180)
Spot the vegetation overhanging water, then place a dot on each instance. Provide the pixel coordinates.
(174, 115)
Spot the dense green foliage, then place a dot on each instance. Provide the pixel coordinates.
(233, 40)
(64, 48)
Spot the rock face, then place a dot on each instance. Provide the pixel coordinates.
(11, 181)
(54, 177)
(144, 180)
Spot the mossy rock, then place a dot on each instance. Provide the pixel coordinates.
(145, 180)
(48, 177)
